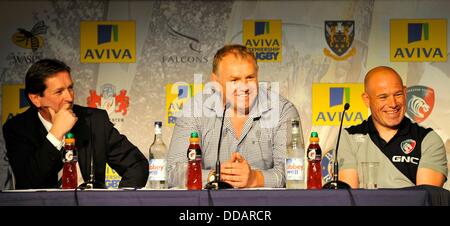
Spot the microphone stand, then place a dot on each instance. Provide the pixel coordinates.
(336, 183)
(91, 183)
(216, 184)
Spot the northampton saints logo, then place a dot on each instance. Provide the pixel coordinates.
(339, 35)
(420, 102)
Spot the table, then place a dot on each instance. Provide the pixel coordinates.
(418, 196)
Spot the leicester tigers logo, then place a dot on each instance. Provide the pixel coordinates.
(420, 102)
(408, 146)
(418, 105)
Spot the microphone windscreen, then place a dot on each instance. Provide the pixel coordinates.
(346, 106)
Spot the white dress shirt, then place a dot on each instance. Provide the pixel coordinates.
(58, 145)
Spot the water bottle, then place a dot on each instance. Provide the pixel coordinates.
(70, 159)
(157, 177)
(194, 170)
(295, 158)
(314, 155)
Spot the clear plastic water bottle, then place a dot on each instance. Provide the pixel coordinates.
(295, 158)
(157, 178)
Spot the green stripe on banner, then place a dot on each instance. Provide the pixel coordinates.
(425, 31)
(347, 94)
(115, 32)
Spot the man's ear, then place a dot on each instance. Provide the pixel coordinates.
(365, 98)
(35, 99)
(215, 82)
(214, 77)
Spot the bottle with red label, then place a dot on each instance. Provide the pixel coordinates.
(314, 155)
(194, 170)
(70, 159)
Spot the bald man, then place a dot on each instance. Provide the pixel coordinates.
(407, 153)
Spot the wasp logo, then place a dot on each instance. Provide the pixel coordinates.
(30, 39)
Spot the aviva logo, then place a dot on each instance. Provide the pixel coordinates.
(328, 100)
(417, 32)
(107, 41)
(418, 40)
(14, 101)
(176, 95)
(337, 95)
(263, 37)
(261, 28)
(106, 32)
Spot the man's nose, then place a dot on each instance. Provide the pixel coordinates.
(392, 102)
(68, 96)
(243, 86)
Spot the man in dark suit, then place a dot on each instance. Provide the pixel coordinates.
(34, 139)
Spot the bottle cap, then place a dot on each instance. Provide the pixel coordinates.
(69, 138)
(295, 126)
(194, 134)
(314, 137)
(295, 122)
(69, 135)
(194, 138)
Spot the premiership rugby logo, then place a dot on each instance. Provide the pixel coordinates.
(408, 146)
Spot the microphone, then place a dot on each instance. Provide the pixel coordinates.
(335, 183)
(216, 184)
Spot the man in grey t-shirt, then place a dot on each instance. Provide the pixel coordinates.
(408, 154)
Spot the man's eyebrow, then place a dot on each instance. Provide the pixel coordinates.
(57, 89)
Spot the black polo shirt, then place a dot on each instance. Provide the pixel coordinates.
(404, 149)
